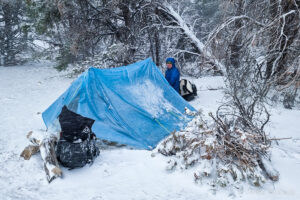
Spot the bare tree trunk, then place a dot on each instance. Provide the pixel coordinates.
(9, 57)
(236, 42)
(157, 47)
(282, 36)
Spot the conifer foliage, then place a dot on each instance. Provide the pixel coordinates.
(13, 32)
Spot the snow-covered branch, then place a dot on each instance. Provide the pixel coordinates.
(207, 53)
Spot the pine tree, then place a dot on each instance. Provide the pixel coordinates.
(13, 32)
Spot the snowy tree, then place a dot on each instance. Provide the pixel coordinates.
(92, 29)
(261, 35)
(182, 20)
(13, 32)
(46, 25)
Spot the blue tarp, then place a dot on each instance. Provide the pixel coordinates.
(132, 105)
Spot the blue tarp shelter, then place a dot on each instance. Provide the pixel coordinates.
(132, 105)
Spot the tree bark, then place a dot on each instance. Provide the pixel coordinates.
(285, 31)
(47, 150)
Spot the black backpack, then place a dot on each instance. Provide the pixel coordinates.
(77, 144)
(74, 155)
(187, 90)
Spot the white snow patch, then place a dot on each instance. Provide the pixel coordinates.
(209, 141)
(151, 98)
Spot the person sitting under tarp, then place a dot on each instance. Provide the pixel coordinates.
(172, 74)
(184, 87)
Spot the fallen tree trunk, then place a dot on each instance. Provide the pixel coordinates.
(46, 147)
(48, 154)
(270, 171)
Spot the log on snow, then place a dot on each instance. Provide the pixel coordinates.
(29, 151)
(48, 154)
(271, 172)
(46, 147)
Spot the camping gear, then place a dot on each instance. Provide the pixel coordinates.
(187, 90)
(73, 126)
(73, 155)
(132, 105)
(77, 144)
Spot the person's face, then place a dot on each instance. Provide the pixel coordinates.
(169, 66)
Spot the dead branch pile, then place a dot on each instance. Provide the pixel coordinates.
(220, 155)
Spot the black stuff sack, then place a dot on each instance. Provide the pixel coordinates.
(74, 127)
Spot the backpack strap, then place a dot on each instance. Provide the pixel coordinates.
(194, 89)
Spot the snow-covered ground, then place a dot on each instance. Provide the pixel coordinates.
(120, 173)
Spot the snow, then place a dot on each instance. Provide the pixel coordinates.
(41, 44)
(121, 173)
(210, 93)
(151, 98)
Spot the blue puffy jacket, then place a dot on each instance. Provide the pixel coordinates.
(173, 75)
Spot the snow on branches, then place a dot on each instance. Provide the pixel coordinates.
(220, 155)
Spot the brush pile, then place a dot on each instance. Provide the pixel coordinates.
(221, 153)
